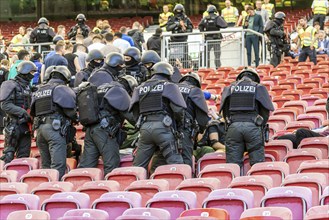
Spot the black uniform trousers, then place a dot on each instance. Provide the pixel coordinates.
(319, 18)
(299, 136)
(307, 52)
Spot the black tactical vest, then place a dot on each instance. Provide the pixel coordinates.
(44, 104)
(243, 96)
(211, 23)
(22, 96)
(42, 35)
(150, 96)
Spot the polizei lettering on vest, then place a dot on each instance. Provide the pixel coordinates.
(184, 90)
(144, 89)
(43, 93)
(251, 89)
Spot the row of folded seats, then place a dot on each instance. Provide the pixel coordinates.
(218, 186)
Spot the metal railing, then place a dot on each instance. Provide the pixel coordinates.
(37, 47)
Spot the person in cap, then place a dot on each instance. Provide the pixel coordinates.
(133, 64)
(95, 60)
(42, 34)
(275, 32)
(15, 99)
(79, 28)
(54, 110)
(105, 136)
(213, 22)
(246, 107)
(159, 109)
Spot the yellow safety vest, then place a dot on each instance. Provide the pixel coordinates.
(319, 7)
(268, 7)
(166, 15)
(229, 14)
(244, 15)
(307, 37)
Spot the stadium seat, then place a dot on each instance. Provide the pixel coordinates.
(151, 212)
(315, 166)
(291, 112)
(29, 214)
(321, 143)
(211, 158)
(94, 189)
(294, 125)
(267, 213)
(313, 81)
(45, 190)
(299, 78)
(305, 88)
(324, 199)
(207, 212)
(7, 176)
(136, 217)
(148, 188)
(300, 105)
(201, 186)
(296, 156)
(270, 79)
(13, 188)
(317, 109)
(300, 72)
(279, 89)
(81, 175)
(126, 175)
(318, 213)
(115, 203)
(281, 146)
(296, 93)
(225, 69)
(246, 162)
(266, 67)
(174, 173)
(316, 182)
(311, 98)
(317, 118)
(34, 177)
(319, 91)
(258, 185)
(276, 170)
(22, 165)
(298, 199)
(92, 213)
(323, 76)
(309, 65)
(320, 102)
(279, 74)
(59, 203)
(174, 201)
(2, 164)
(281, 120)
(234, 201)
(224, 172)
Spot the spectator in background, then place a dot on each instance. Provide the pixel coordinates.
(154, 42)
(82, 55)
(72, 61)
(26, 38)
(164, 16)
(323, 44)
(123, 45)
(123, 30)
(109, 47)
(137, 35)
(89, 40)
(308, 43)
(242, 17)
(253, 22)
(106, 29)
(97, 43)
(18, 38)
(326, 30)
(269, 7)
(57, 59)
(316, 25)
(294, 51)
(79, 42)
(61, 31)
(2, 39)
(262, 12)
(4, 70)
(23, 55)
(230, 14)
(99, 27)
(37, 60)
(320, 10)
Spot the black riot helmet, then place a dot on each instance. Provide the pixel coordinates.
(114, 59)
(250, 73)
(26, 67)
(192, 76)
(134, 53)
(280, 16)
(211, 9)
(95, 54)
(80, 18)
(129, 82)
(43, 20)
(163, 68)
(63, 70)
(150, 56)
(179, 9)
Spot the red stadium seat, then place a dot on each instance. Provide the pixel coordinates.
(280, 74)
(318, 213)
(297, 199)
(291, 112)
(324, 200)
(174, 173)
(321, 143)
(281, 120)
(234, 201)
(207, 212)
(315, 166)
(92, 213)
(311, 98)
(281, 146)
(294, 125)
(320, 91)
(126, 175)
(34, 177)
(7, 176)
(295, 157)
(13, 188)
(22, 165)
(152, 212)
(309, 65)
(211, 158)
(246, 162)
(297, 94)
(81, 175)
(317, 109)
(267, 213)
(279, 89)
(316, 118)
(280, 100)
(313, 81)
(28, 214)
(320, 102)
(300, 105)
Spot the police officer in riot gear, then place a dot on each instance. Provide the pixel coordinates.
(150, 57)
(54, 109)
(110, 71)
(104, 137)
(180, 23)
(42, 34)
(275, 32)
(133, 64)
(15, 99)
(213, 22)
(196, 115)
(95, 59)
(246, 106)
(80, 27)
(159, 108)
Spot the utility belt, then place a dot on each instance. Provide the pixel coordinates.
(113, 126)
(257, 120)
(58, 122)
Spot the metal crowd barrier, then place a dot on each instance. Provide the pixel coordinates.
(30, 47)
(199, 53)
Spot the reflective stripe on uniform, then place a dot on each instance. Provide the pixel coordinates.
(268, 7)
(229, 14)
(320, 7)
